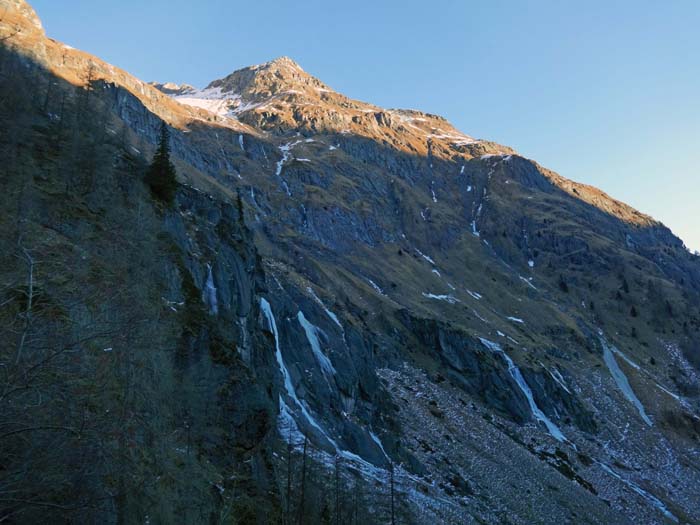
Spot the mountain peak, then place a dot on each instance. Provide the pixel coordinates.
(283, 62)
(279, 76)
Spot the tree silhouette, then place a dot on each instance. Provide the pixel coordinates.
(161, 176)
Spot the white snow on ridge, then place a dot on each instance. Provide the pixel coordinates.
(212, 100)
(506, 157)
(516, 320)
(218, 107)
(475, 295)
(216, 101)
(458, 139)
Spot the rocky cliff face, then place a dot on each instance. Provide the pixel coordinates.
(343, 302)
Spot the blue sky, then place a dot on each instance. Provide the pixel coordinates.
(603, 92)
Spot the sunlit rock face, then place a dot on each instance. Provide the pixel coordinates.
(22, 15)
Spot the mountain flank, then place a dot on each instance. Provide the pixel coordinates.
(344, 313)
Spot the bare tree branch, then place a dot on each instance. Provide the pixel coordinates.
(41, 504)
(30, 297)
(32, 429)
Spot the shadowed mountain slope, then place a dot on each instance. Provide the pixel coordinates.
(395, 294)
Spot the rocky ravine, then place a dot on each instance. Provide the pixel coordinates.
(516, 347)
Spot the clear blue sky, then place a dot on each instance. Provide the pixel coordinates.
(604, 92)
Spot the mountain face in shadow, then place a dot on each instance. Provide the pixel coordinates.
(346, 313)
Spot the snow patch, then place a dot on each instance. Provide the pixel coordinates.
(312, 333)
(379, 444)
(479, 317)
(475, 231)
(330, 314)
(643, 493)
(525, 388)
(376, 287)
(621, 379)
(209, 293)
(425, 257)
(528, 282)
(556, 375)
(286, 150)
(289, 387)
(447, 298)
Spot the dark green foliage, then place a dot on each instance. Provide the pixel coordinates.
(625, 286)
(161, 177)
(100, 359)
(562, 284)
(239, 205)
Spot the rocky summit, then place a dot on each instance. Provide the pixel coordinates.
(344, 314)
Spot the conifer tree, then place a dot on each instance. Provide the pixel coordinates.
(161, 176)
